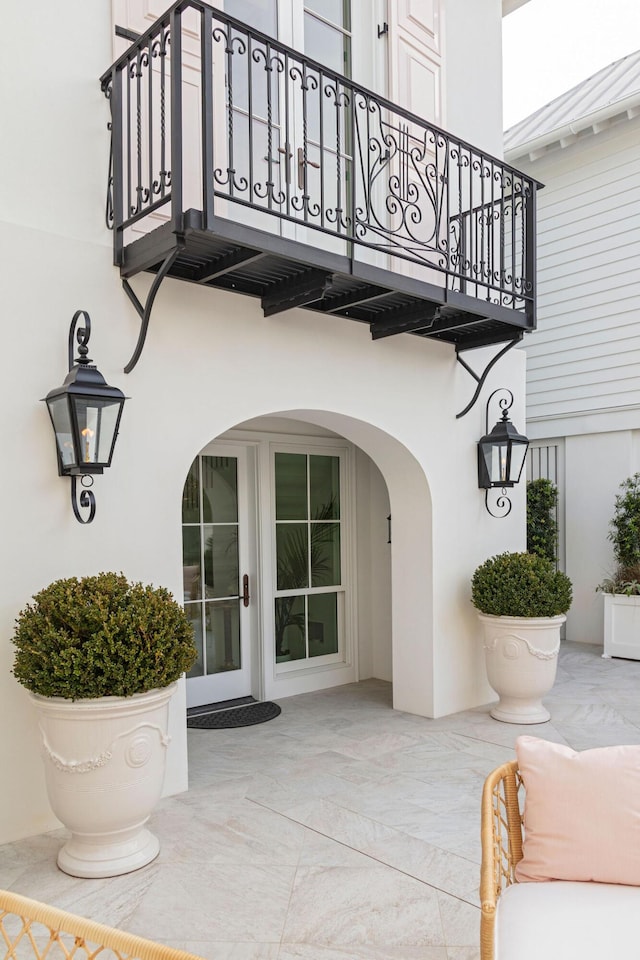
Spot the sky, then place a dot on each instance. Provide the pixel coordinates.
(551, 45)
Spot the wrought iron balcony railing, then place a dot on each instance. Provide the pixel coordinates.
(209, 115)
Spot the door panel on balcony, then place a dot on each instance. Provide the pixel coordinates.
(268, 154)
(287, 140)
(414, 82)
(283, 132)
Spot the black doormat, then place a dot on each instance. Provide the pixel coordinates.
(243, 716)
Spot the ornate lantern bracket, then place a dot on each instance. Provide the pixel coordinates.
(501, 455)
(85, 414)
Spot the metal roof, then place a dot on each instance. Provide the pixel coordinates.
(600, 94)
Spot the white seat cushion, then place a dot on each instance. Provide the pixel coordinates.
(568, 920)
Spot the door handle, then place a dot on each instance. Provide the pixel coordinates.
(245, 590)
(287, 156)
(301, 165)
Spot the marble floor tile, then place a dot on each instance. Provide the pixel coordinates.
(241, 833)
(222, 950)
(17, 858)
(360, 951)
(463, 953)
(216, 901)
(111, 901)
(460, 921)
(338, 823)
(581, 737)
(439, 868)
(374, 905)
(278, 794)
(320, 851)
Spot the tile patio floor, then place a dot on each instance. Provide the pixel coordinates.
(341, 830)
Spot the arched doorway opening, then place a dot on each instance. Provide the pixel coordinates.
(295, 576)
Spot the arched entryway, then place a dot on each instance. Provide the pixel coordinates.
(295, 578)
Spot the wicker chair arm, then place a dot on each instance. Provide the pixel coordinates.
(18, 915)
(501, 837)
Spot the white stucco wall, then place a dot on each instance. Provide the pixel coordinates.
(212, 361)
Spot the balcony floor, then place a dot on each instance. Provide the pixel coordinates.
(286, 273)
(341, 830)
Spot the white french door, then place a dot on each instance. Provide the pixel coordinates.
(285, 147)
(273, 615)
(219, 573)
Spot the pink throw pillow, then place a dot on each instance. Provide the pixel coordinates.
(581, 814)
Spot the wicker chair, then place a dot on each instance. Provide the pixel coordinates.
(544, 920)
(501, 834)
(35, 931)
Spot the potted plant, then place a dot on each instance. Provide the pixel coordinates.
(522, 601)
(100, 658)
(622, 590)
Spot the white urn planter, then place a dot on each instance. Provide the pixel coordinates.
(104, 762)
(522, 659)
(621, 626)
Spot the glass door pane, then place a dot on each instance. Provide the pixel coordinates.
(212, 545)
(308, 552)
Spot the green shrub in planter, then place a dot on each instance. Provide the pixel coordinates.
(625, 524)
(625, 582)
(101, 636)
(520, 585)
(625, 536)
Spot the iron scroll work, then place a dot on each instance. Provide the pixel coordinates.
(81, 335)
(282, 136)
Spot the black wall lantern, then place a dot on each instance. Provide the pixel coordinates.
(85, 413)
(501, 455)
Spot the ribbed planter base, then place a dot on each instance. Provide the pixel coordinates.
(518, 711)
(84, 857)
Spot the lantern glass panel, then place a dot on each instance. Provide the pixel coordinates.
(59, 411)
(485, 462)
(500, 463)
(97, 421)
(518, 454)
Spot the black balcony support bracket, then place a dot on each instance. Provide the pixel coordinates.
(480, 378)
(227, 263)
(404, 320)
(144, 312)
(297, 291)
(354, 298)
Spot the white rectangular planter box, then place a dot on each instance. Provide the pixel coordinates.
(621, 626)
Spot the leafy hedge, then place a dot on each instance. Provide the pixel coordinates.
(520, 585)
(101, 636)
(542, 528)
(625, 525)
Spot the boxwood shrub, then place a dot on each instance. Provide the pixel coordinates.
(101, 636)
(520, 585)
